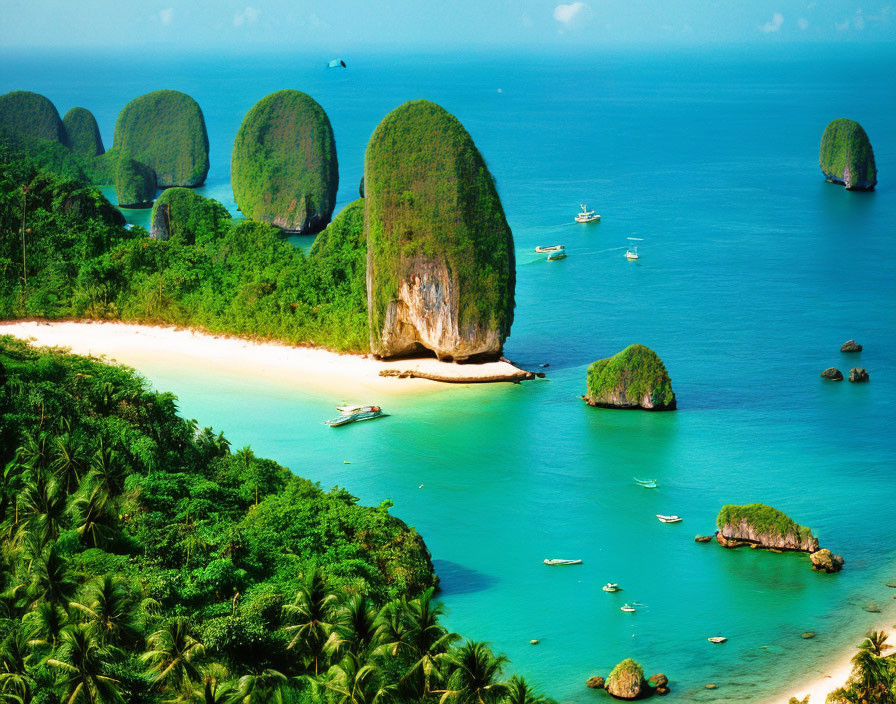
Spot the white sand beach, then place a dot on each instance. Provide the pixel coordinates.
(301, 367)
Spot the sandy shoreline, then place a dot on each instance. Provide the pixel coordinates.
(834, 675)
(301, 367)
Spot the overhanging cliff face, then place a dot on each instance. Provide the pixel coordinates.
(440, 260)
(744, 531)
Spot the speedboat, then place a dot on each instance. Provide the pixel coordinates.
(552, 248)
(647, 483)
(587, 215)
(558, 254)
(668, 519)
(562, 562)
(610, 587)
(374, 412)
(717, 639)
(628, 608)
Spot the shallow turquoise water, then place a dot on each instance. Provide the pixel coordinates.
(753, 272)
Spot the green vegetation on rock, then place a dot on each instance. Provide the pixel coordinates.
(434, 222)
(633, 378)
(180, 213)
(284, 170)
(763, 519)
(626, 681)
(846, 155)
(83, 133)
(135, 184)
(166, 131)
(29, 116)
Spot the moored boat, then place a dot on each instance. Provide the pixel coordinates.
(553, 248)
(631, 252)
(628, 608)
(374, 412)
(348, 410)
(557, 254)
(586, 215)
(717, 639)
(610, 587)
(647, 483)
(556, 561)
(668, 519)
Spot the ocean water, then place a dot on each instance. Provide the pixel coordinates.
(753, 272)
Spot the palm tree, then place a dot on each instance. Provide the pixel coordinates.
(519, 692)
(36, 450)
(473, 671)
(355, 628)
(173, 655)
(49, 579)
(871, 681)
(214, 692)
(91, 514)
(353, 682)
(429, 640)
(41, 502)
(14, 677)
(261, 689)
(45, 624)
(109, 606)
(82, 659)
(876, 642)
(68, 461)
(311, 616)
(106, 470)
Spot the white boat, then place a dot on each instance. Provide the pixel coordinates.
(346, 418)
(628, 608)
(632, 251)
(610, 587)
(553, 248)
(587, 215)
(717, 639)
(562, 562)
(668, 519)
(348, 410)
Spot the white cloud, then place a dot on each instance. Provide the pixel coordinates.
(248, 16)
(774, 24)
(802, 23)
(167, 15)
(567, 13)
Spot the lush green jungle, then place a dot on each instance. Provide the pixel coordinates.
(66, 253)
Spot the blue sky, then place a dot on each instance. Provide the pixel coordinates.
(339, 25)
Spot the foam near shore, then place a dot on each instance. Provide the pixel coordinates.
(305, 367)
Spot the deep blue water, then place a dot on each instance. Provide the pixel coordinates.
(753, 272)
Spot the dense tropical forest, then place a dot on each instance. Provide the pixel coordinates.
(144, 561)
(65, 253)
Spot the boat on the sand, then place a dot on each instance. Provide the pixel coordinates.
(557, 561)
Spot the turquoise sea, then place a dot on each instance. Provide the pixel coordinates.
(753, 272)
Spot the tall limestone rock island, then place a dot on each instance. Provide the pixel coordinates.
(283, 168)
(27, 117)
(846, 156)
(440, 258)
(135, 184)
(165, 130)
(83, 133)
(633, 378)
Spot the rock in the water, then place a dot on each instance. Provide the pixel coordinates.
(626, 681)
(83, 133)
(633, 378)
(166, 131)
(184, 215)
(658, 680)
(850, 346)
(702, 538)
(440, 256)
(534, 641)
(808, 635)
(283, 168)
(30, 116)
(833, 374)
(135, 184)
(662, 691)
(872, 608)
(825, 561)
(596, 682)
(858, 374)
(846, 156)
(711, 686)
(764, 526)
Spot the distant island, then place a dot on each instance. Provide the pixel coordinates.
(633, 378)
(846, 156)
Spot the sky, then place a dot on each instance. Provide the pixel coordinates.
(340, 25)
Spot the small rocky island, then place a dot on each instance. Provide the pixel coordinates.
(182, 214)
(627, 681)
(165, 130)
(135, 184)
(633, 378)
(761, 526)
(846, 156)
(440, 257)
(283, 167)
(83, 133)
